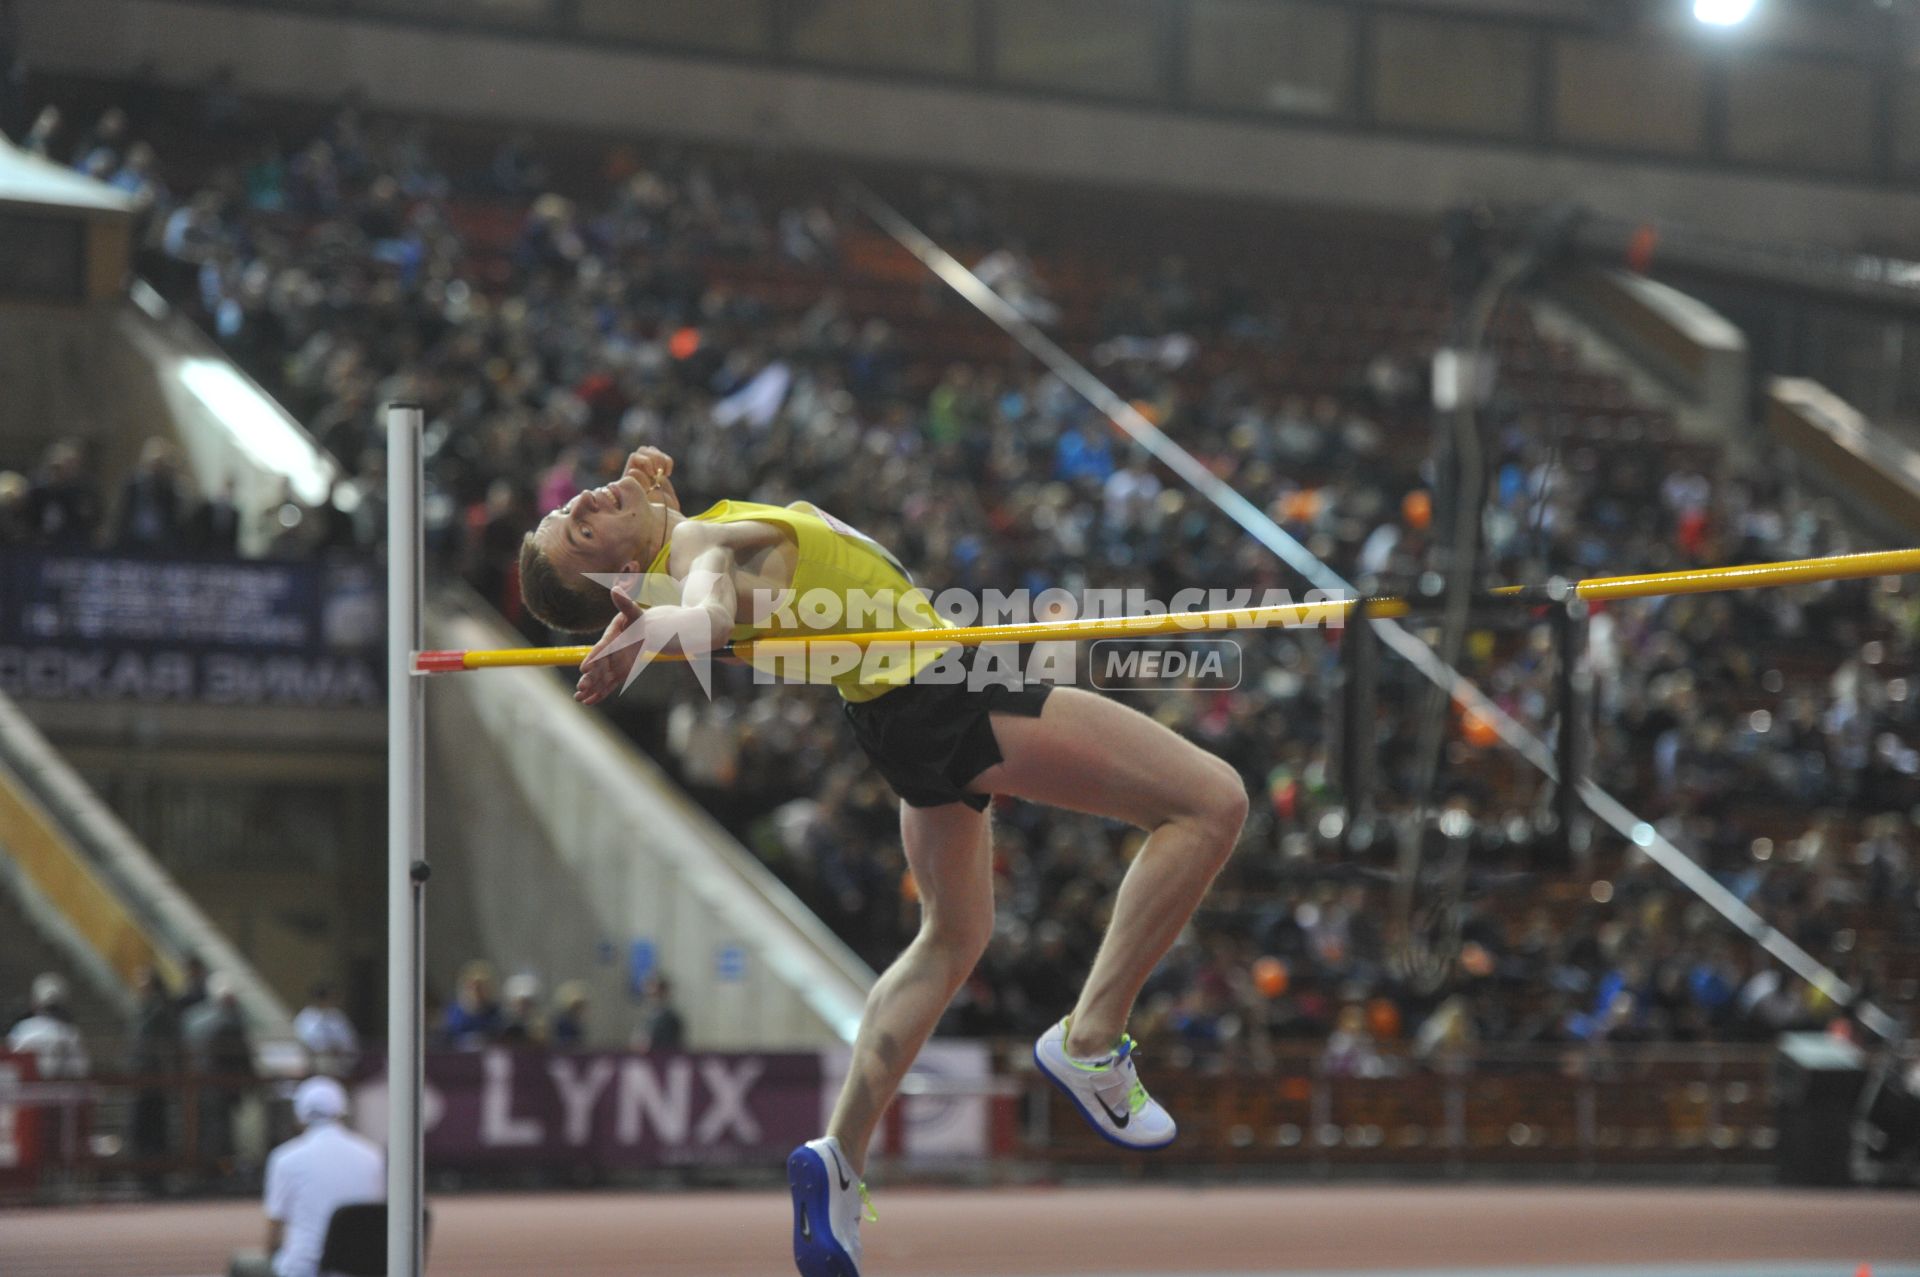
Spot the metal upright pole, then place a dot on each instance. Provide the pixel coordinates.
(1569, 754)
(1359, 670)
(406, 830)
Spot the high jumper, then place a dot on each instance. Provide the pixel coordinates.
(948, 735)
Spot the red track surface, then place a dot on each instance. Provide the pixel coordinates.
(1029, 1233)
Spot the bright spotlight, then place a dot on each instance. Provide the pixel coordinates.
(1722, 13)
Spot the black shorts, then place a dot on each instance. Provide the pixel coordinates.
(929, 740)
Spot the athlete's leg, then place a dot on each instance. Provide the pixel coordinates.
(1090, 754)
(949, 851)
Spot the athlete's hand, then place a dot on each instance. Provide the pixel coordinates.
(654, 469)
(605, 670)
(648, 463)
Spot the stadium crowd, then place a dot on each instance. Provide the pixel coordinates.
(57, 505)
(476, 1016)
(342, 271)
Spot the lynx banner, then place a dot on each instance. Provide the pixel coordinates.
(501, 1108)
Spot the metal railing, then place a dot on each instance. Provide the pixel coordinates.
(1298, 1110)
(124, 1134)
(1575, 1110)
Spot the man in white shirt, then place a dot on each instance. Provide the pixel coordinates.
(314, 1174)
(323, 1028)
(48, 1034)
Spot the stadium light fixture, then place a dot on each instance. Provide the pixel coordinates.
(1723, 13)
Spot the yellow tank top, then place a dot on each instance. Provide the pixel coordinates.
(844, 582)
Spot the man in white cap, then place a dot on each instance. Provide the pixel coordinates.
(314, 1174)
(48, 1034)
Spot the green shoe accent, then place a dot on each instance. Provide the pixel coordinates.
(1066, 1027)
(1137, 1093)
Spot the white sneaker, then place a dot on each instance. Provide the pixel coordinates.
(1107, 1092)
(827, 1202)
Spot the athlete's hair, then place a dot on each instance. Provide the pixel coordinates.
(556, 601)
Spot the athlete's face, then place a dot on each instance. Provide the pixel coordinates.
(607, 529)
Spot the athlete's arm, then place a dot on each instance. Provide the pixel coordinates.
(707, 558)
(709, 600)
(712, 562)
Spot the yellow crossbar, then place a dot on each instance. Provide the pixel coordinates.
(1749, 576)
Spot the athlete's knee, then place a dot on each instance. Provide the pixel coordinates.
(1226, 804)
(1209, 801)
(958, 943)
(1216, 803)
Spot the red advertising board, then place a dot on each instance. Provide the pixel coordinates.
(19, 1123)
(503, 1108)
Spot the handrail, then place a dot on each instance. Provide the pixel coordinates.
(168, 916)
(57, 888)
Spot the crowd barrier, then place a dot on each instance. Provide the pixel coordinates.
(969, 1108)
(1577, 1110)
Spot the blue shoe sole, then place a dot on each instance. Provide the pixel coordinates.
(815, 1252)
(1089, 1118)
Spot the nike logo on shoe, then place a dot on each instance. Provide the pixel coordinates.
(1119, 1119)
(839, 1170)
(806, 1224)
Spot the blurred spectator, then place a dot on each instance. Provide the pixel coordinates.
(221, 1057)
(1448, 1033)
(48, 1033)
(1886, 860)
(193, 234)
(515, 171)
(63, 506)
(98, 153)
(151, 513)
(569, 1028)
(153, 1051)
(214, 527)
(1011, 273)
(521, 1023)
(15, 516)
(42, 134)
(138, 178)
(473, 1017)
(323, 1028)
(1351, 1050)
(954, 411)
(1085, 453)
(808, 237)
(193, 988)
(661, 1028)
